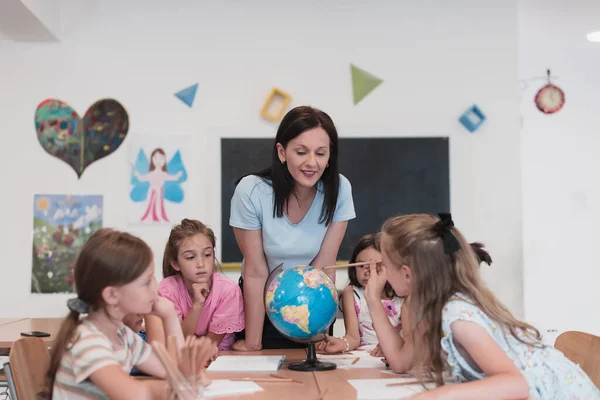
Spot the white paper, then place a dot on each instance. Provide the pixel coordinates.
(376, 389)
(225, 387)
(344, 361)
(246, 364)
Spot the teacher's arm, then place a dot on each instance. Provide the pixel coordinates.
(255, 276)
(330, 247)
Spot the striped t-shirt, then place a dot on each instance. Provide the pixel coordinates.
(89, 351)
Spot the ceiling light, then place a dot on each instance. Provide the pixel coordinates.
(594, 36)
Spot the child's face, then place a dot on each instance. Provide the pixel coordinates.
(399, 276)
(306, 156)
(362, 272)
(196, 259)
(134, 321)
(138, 297)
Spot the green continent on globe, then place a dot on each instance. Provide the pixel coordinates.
(297, 315)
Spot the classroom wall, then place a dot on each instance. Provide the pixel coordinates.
(436, 58)
(560, 165)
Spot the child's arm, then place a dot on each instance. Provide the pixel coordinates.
(155, 330)
(398, 352)
(163, 322)
(190, 321)
(119, 385)
(336, 345)
(503, 381)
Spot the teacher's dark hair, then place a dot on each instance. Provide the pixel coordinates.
(294, 123)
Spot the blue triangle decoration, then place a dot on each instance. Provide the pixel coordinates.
(188, 95)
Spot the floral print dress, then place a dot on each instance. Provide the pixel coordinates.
(551, 376)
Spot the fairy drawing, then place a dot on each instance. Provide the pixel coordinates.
(160, 179)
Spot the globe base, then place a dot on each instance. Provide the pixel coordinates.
(307, 366)
(311, 363)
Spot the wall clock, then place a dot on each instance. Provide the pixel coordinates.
(550, 98)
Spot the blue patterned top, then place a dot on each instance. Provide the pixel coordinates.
(135, 371)
(551, 376)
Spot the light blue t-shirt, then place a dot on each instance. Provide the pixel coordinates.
(284, 242)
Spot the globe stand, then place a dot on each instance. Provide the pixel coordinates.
(311, 363)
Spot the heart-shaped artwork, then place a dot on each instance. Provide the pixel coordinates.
(80, 142)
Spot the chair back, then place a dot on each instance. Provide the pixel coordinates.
(583, 349)
(29, 362)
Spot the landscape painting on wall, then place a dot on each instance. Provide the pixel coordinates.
(61, 225)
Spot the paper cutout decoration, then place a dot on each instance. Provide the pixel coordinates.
(61, 225)
(363, 83)
(275, 105)
(550, 98)
(188, 95)
(472, 118)
(155, 179)
(81, 142)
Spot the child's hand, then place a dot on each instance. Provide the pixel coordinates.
(332, 345)
(436, 394)
(163, 308)
(376, 351)
(201, 292)
(377, 281)
(241, 345)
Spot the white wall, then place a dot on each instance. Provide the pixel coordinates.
(560, 166)
(436, 59)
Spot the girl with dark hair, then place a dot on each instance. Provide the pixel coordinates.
(294, 212)
(360, 333)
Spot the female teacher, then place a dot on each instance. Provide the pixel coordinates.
(294, 212)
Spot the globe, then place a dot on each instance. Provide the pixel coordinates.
(301, 303)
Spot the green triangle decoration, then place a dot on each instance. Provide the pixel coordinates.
(363, 83)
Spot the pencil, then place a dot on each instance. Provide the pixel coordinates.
(283, 377)
(351, 265)
(406, 383)
(286, 380)
(355, 360)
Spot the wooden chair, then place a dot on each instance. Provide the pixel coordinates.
(583, 349)
(29, 361)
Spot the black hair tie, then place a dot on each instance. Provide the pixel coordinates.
(77, 305)
(444, 229)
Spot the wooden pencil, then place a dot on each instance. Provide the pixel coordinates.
(357, 264)
(355, 360)
(278, 380)
(407, 383)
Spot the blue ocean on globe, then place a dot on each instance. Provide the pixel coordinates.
(301, 302)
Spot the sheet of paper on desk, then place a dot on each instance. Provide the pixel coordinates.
(376, 389)
(246, 364)
(225, 387)
(344, 361)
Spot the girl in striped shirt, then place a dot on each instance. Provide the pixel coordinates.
(93, 356)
